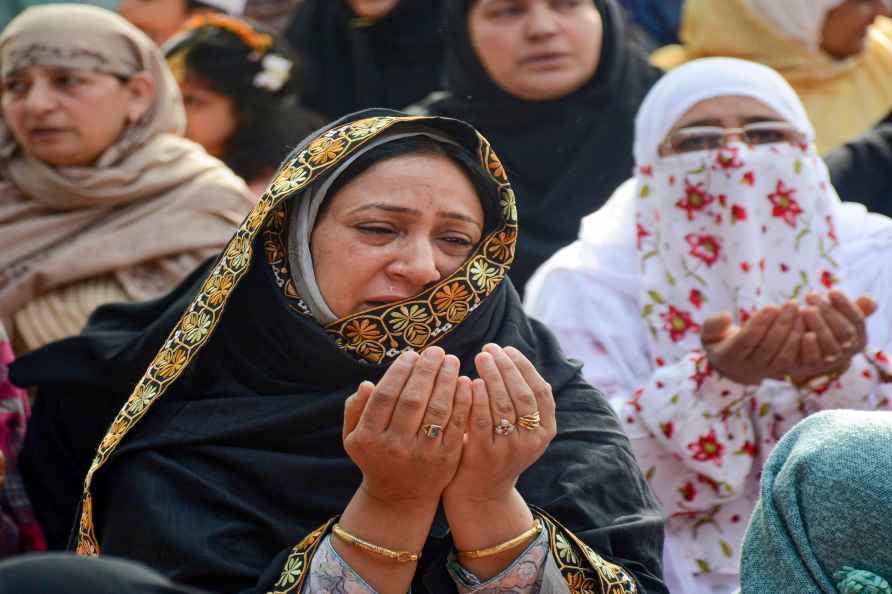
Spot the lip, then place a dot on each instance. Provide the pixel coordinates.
(544, 59)
(380, 300)
(45, 133)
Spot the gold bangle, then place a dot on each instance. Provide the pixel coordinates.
(398, 556)
(508, 544)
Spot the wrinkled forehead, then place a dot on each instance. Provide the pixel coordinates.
(110, 55)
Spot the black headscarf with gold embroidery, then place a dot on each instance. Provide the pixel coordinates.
(565, 156)
(228, 451)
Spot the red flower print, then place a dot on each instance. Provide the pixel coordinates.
(671, 180)
(723, 200)
(744, 316)
(706, 448)
(678, 322)
(668, 429)
(749, 449)
(827, 279)
(703, 246)
(749, 178)
(660, 361)
(785, 205)
(881, 357)
(695, 199)
(738, 213)
(784, 268)
(728, 158)
(703, 370)
(696, 298)
(735, 519)
(866, 374)
(635, 402)
(762, 267)
(646, 170)
(832, 229)
(745, 266)
(688, 491)
(642, 233)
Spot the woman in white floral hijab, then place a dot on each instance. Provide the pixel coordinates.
(713, 299)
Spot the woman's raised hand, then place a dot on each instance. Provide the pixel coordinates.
(405, 433)
(791, 342)
(512, 421)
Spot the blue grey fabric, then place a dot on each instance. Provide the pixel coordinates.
(825, 507)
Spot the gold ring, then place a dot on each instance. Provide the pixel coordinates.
(432, 431)
(530, 421)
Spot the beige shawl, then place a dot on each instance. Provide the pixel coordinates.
(152, 206)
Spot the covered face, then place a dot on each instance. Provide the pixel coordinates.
(733, 206)
(81, 86)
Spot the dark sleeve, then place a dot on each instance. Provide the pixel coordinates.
(861, 170)
(589, 481)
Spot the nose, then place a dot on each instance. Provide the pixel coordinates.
(40, 98)
(416, 263)
(541, 21)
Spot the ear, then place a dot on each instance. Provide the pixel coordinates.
(141, 88)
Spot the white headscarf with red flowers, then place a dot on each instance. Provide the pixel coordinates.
(730, 230)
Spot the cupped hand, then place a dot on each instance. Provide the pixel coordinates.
(791, 342)
(836, 333)
(766, 346)
(387, 429)
(509, 387)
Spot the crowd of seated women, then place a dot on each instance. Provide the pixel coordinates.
(471, 296)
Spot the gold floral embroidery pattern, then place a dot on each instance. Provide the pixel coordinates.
(195, 328)
(585, 571)
(379, 335)
(295, 570)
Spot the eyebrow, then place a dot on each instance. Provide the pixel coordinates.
(746, 120)
(415, 212)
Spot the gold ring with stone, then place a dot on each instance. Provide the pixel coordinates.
(530, 421)
(504, 427)
(432, 431)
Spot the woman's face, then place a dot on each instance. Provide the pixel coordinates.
(537, 50)
(403, 224)
(728, 111)
(65, 116)
(372, 9)
(159, 19)
(845, 28)
(211, 117)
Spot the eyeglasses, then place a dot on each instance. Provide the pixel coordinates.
(703, 138)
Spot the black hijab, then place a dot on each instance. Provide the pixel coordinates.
(354, 64)
(565, 157)
(228, 451)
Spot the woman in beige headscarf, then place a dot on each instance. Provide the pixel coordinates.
(836, 54)
(101, 199)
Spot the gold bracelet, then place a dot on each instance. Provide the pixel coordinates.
(508, 544)
(398, 556)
